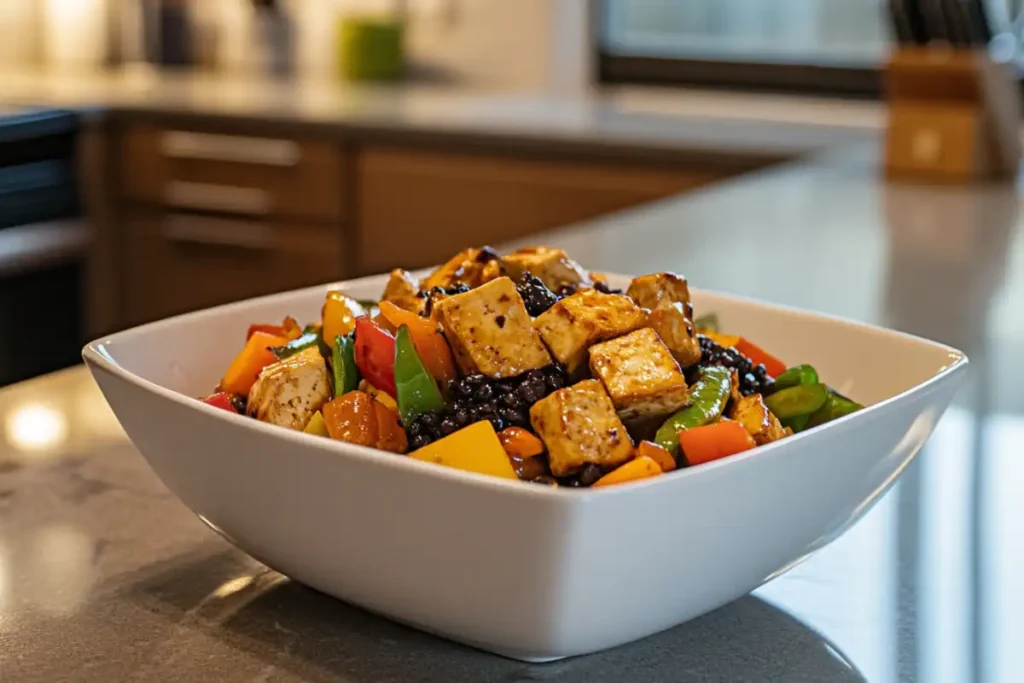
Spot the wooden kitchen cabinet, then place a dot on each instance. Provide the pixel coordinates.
(416, 207)
(174, 263)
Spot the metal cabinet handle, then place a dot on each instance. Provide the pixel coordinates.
(206, 197)
(218, 232)
(264, 151)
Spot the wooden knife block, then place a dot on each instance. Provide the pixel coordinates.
(953, 116)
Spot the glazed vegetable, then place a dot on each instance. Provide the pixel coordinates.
(358, 419)
(475, 448)
(375, 354)
(343, 360)
(707, 398)
(222, 400)
(759, 356)
(416, 391)
(796, 401)
(246, 366)
(297, 345)
(796, 376)
(714, 441)
(378, 395)
(339, 315)
(656, 453)
(835, 406)
(519, 443)
(642, 467)
(430, 343)
(706, 323)
(316, 425)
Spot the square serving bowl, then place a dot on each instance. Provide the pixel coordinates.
(531, 572)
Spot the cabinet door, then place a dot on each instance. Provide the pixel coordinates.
(178, 262)
(418, 207)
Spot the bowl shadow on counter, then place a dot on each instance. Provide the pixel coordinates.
(315, 637)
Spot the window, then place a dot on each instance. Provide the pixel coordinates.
(811, 45)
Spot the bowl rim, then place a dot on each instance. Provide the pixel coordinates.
(97, 359)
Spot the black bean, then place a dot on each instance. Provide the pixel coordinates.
(589, 473)
(448, 426)
(414, 429)
(419, 441)
(461, 417)
(430, 420)
(510, 415)
(511, 400)
(555, 382)
(498, 423)
(483, 393)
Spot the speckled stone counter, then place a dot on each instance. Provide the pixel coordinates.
(104, 576)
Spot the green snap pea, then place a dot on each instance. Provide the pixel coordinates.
(796, 376)
(343, 359)
(417, 391)
(707, 398)
(795, 401)
(295, 346)
(834, 407)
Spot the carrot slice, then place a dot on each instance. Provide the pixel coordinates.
(634, 470)
(711, 442)
(658, 454)
(758, 356)
(430, 344)
(246, 367)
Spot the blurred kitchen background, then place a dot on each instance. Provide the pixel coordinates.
(262, 145)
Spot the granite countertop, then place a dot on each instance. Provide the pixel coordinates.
(105, 576)
(637, 121)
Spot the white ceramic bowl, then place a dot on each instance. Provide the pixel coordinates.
(527, 571)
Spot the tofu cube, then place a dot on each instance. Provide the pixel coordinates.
(640, 375)
(658, 290)
(760, 423)
(403, 291)
(552, 266)
(575, 323)
(289, 392)
(676, 330)
(489, 331)
(472, 267)
(578, 425)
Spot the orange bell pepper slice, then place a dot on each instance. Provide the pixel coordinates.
(658, 454)
(714, 441)
(352, 418)
(519, 443)
(430, 344)
(359, 419)
(642, 467)
(247, 365)
(339, 315)
(758, 356)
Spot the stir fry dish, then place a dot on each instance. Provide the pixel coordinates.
(526, 366)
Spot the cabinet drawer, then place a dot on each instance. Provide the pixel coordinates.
(177, 263)
(248, 176)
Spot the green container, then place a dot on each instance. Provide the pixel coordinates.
(371, 48)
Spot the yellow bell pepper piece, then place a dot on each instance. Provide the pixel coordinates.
(727, 340)
(474, 448)
(634, 470)
(339, 314)
(382, 396)
(317, 425)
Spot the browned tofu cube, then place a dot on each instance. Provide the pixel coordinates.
(760, 423)
(552, 266)
(640, 375)
(676, 330)
(659, 289)
(472, 267)
(489, 331)
(403, 290)
(575, 323)
(578, 425)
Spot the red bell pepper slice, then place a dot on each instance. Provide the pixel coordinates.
(759, 356)
(375, 355)
(222, 400)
